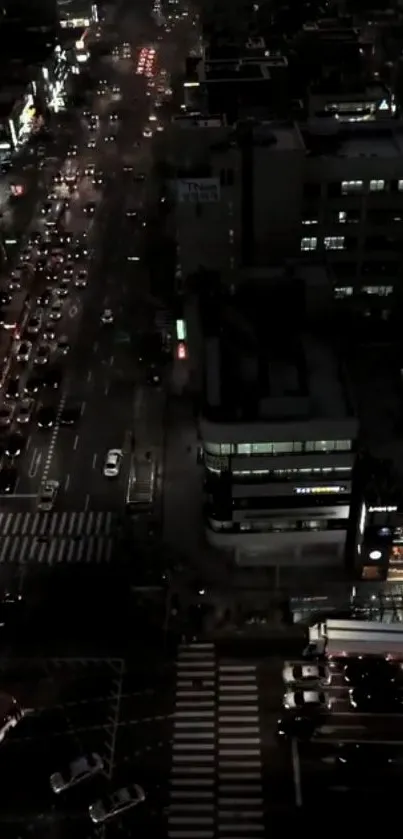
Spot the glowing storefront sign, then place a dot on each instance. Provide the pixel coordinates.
(382, 509)
(374, 555)
(75, 22)
(319, 490)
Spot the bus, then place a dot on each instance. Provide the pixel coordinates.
(141, 486)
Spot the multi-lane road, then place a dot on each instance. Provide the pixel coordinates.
(102, 373)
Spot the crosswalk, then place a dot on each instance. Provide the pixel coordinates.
(216, 775)
(56, 524)
(56, 538)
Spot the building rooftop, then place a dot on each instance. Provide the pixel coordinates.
(370, 139)
(263, 365)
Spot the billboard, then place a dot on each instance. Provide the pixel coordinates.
(198, 190)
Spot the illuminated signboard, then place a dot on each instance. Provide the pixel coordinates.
(182, 352)
(319, 490)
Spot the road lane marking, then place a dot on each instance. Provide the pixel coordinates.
(106, 389)
(89, 377)
(87, 503)
(76, 439)
(66, 483)
(296, 766)
(35, 463)
(111, 360)
(94, 461)
(83, 407)
(29, 441)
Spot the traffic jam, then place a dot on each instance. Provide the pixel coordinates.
(37, 299)
(157, 87)
(343, 709)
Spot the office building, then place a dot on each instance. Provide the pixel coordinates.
(277, 431)
(268, 192)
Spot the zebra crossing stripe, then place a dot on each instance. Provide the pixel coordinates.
(88, 523)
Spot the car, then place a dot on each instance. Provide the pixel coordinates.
(63, 345)
(33, 385)
(70, 414)
(62, 291)
(81, 279)
(8, 480)
(56, 310)
(42, 355)
(133, 258)
(119, 802)
(12, 389)
(14, 445)
(72, 151)
(49, 331)
(81, 769)
(80, 253)
(113, 117)
(14, 283)
(127, 167)
(34, 325)
(115, 88)
(89, 169)
(147, 133)
(91, 144)
(369, 669)
(68, 269)
(98, 179)
(35, 237)
(47, 498)
(107, 317)
(44, 299)
(90, 208)
(131, 212)
(306, 673)
(46, 416)
(46, 208)
(6, 415)
(41, 264)
(301, 699)
(113, 462)
(110, 138)
(24, 411)
(23, 351)
(53, 378)
(377, 698)
(5, 298)
(139, 177)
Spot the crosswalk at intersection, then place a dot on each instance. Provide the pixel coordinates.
(56, 538)
(216, 775)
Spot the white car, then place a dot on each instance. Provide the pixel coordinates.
(47, 496)
(306, 673)
(113, 463)
(91, 144)
(42, 355)
(23, 351)
(90, 169)
(107, 316)
(119, 802)
(79, 770)
(298, 700)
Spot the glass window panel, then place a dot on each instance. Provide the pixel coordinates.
(283, 448)
(244, 448)
(262, 448)
(212, 448)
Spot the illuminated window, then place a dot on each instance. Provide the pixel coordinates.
(351, 187)
(342, 291)
(309, 243)
(309, 221)
(379, 290)
(334, 243)
(319, 490)
(376, 186)
(327, 446)
(342, 217)
(400, 186)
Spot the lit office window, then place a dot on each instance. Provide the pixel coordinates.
(400, 186)
(309, 221)
(309, 243)
(342, 217)
(334, 243)
(351, 187)
(378, 290)
(339, 292)
(376, 186)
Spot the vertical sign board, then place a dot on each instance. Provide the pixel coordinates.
(198, 190)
